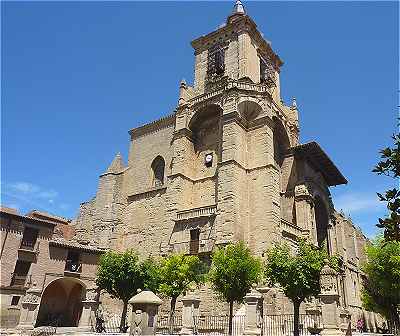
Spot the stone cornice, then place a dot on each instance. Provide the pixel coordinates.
(248, 170)
(148, 193)
(153, 126)
(183, 133)
(191, 179)
(116, 173)
(321, 162)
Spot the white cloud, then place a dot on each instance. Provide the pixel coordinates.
(33, 195)
(32, 190)
(358, 203)
(24, 187)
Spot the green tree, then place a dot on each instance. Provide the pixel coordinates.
(390, 166)
(122, 274)
(233, 271)
(381, 284)
(296, 273)
(179, 273)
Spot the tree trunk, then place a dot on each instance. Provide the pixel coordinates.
(171, 315)
(230, 317)
(395, 321)
(296, 308)
(122, 327)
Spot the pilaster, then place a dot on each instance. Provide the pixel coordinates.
(304, 203)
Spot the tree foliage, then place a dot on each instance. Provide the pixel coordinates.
(233, 271)
(179, 273)
(297, 274)
(381, 284)
(122, 274)
(390, 166)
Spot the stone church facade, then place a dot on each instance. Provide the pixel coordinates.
(226, 165)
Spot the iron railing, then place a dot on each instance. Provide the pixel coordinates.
(164, 327)
(283, 325)
(218, 325)
(108, 325)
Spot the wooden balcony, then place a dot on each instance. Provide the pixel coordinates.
(28, 250)
(19, 281)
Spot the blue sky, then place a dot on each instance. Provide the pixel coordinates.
(76, 76)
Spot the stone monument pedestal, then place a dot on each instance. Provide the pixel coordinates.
(189, 312)
(144, 313)
(253, 319)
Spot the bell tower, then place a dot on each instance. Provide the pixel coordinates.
(224, 152)
(237, 51)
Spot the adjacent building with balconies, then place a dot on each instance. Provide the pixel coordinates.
(36, 253)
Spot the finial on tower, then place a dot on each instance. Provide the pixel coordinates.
(238, 8)
(294, 103)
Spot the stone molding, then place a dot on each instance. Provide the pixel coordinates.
(248, 170)
(145, 194)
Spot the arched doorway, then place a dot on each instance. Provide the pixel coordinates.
(322, 221)
(61, 301)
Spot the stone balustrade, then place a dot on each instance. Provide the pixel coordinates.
(226, 84)
(292, 229)
(206, 211)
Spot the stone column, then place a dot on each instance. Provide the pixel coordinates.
(90, 304)
(190, 310)
(144, 313)
(30, 307)
(329, 301)
(253, 320)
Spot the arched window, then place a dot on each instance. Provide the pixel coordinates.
(158, 167)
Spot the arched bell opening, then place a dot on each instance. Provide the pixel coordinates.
(61, 303)
(322, 222)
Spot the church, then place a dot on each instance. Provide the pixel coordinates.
(225, 165)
